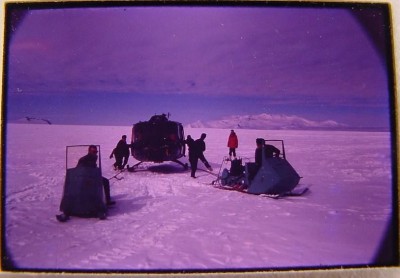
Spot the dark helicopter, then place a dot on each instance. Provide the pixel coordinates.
(158, 140)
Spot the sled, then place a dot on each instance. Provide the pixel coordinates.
(297, 191)
(235, 173)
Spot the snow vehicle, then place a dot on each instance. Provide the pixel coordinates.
(83, 193)
(158, 140)
(274, 177)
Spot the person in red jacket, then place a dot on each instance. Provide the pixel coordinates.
(233, 143)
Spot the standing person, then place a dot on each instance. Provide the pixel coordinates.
(233, 144)
(193, 155)
(90, 160)
(121, 154)
(200, 148)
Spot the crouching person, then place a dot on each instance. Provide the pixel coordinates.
(83, 189)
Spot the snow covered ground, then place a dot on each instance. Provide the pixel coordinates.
(166, 220)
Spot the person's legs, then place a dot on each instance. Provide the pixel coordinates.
(193, 165)
(118, 162)
(204, 160)
(126, 157)
(232, 152)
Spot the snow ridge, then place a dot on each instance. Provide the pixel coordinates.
(269, 121)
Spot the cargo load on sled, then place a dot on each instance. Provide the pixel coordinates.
(272, 175)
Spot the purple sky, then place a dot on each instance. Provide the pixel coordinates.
(209, 61)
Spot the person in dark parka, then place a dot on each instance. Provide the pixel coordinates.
(269, 151)
(121, 154)
(90, 160)
(200, 147)
(193, 155)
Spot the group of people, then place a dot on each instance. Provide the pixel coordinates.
(196, 150)
(121, 154)
(197, 147)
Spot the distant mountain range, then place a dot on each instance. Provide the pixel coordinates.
(268, 121)
(262, 122)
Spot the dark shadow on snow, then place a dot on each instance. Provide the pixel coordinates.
(166, 168)
(127, 205)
